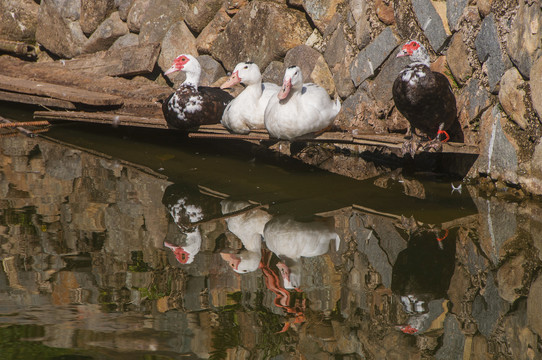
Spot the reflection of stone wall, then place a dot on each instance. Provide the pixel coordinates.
(82, 237)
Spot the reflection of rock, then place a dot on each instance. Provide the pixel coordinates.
(290, 240)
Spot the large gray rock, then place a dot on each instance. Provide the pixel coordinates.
(358, 9)
(93, 12)
(211, 70)
(129, 39)
(18, 20)
(321, 11)
(201, 13)
(430, 22)
(59, 29)
(512, 97)
(338, 55)
(510, 278)
(454, 10)
(372, 56)
(453, 341)
(472, 102)
(261, 32)
(206, 39)
(536, 86)
(383, 83)
(123, 6)
(488, 307)
(498, 157)
(313, 66)
(523, 42)
(136, 13)
(457, 58)
(534, 304)
(158, 19)
(489, 51)
(106, 34)
(274, 72)
(178, 40)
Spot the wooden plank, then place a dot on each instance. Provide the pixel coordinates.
(61, 92)
(103, 118)
(128, 61)
(35, 100)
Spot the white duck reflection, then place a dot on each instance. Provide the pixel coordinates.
(248, 227)
(290, 240)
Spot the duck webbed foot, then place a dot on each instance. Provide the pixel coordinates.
(410, 147)
(436, 144)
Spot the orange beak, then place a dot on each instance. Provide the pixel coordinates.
(233, 80)
(285, 89)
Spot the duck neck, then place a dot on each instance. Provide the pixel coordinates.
(192, 77)
(255, 88)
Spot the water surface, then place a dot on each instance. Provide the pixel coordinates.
(118, 243)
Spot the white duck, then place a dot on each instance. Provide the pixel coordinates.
(246, 111)
(290, 240)
(248, 227)
(299, 108)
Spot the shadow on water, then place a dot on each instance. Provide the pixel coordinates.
(144, 244)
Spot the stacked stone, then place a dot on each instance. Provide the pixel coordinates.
(490, 51)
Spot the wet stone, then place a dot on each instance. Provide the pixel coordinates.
(372, 56)
(430, 22)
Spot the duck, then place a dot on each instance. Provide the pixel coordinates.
(192, 105)
(290, 240)
(246, 111)
(248, 227)
(186, 254)
(299, 108)
(425, 98)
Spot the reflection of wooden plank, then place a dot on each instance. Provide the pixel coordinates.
(103, 118)
(128, 61)
(35, 100)
(67, 93)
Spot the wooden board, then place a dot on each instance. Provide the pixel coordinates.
(35, 100)
(103, 118)
(128, 61)
(71, 94)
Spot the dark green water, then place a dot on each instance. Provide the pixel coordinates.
(392, 267)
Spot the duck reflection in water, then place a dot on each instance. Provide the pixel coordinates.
(248, 227)
(188, 208)
(421, 277)
(290, 240)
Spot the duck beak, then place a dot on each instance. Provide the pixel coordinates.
(402, 53)
(231, 259)
(285, 89)
(172, 69)
(233, 80)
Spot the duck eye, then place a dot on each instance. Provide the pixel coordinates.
(246, 67)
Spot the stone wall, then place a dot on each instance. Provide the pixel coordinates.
(490, 50)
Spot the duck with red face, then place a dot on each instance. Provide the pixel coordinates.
(193, 105)
(425, 98)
